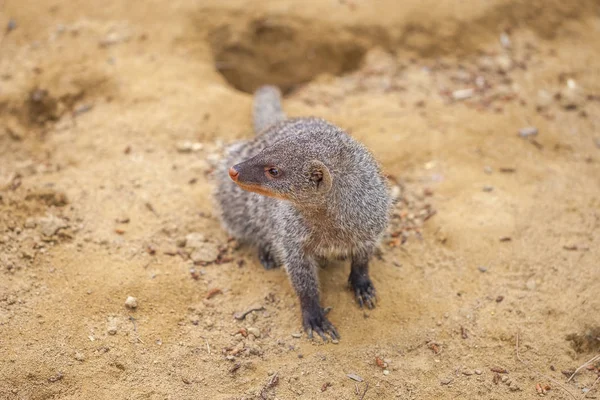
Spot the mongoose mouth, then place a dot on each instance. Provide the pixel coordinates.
(260, 190)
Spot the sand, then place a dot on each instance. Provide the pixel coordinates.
(113, 115)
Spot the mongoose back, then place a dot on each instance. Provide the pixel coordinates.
(300, 191)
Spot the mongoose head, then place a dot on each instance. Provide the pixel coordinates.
(290, 170)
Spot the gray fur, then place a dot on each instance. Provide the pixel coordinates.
(267, 108)
(343, 219)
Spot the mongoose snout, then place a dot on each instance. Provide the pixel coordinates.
(233, 174)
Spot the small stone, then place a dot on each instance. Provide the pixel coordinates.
(478, 372)
(131, 302)
(51, 224)
(531, 284)
(446, 381)
(254, 332)
(467, 372)
(386, 372)
(335, 341)
(486, 63)
(296, 335)
(529, 131)
(505, 40)
(544, 99)
(504, 378)
(481, 268)
(355, 377)
(488, 188)
(514, 386)
(487, 169)
(30, 223)
(462, 94)
(504, 63)
(188, 147)
(14, 131)
(395, 192)
(193, 240)
(207, 253)
(572, 98)
(112, 326)
(11, 26)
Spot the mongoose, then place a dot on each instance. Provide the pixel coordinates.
(302, 190)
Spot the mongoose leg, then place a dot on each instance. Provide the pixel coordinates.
(360, 282)
(303, 274)
(266, 258)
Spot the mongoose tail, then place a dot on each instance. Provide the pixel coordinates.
(267, 108)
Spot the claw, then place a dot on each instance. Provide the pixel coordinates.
(321, 333)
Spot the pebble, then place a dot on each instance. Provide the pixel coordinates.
(478, 372)
(11, 26)
(504, 378)
(254, 332)
(51, 224)
(193, 240)
(131, 302)
(467, 372)
(112, 326)
(207, 253)
(446, 381)
(487, 169)
(188, 147)
(462, 94)
(505, 40)
(504, 63)
(531, 284)
(79, 356)
(572, 98)
(544, 99)
(488, 188)
(386, 372)
(296, 335)
(355, 377)
(527, 132)
(486, 63)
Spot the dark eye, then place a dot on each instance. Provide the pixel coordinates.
(274, 172)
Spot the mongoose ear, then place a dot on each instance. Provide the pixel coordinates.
(320, 176)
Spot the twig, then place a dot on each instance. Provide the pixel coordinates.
(591, 388)
(583, 366)
(557, 383)
(207, 345)
(365, 392)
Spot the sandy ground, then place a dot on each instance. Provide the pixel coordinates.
(113, 114)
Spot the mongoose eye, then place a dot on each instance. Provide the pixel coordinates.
(274, 172)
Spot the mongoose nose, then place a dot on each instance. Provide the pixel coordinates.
(233, 174)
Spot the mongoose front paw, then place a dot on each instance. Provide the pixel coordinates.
(315, 320)
(266, 258)
(364, 291)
